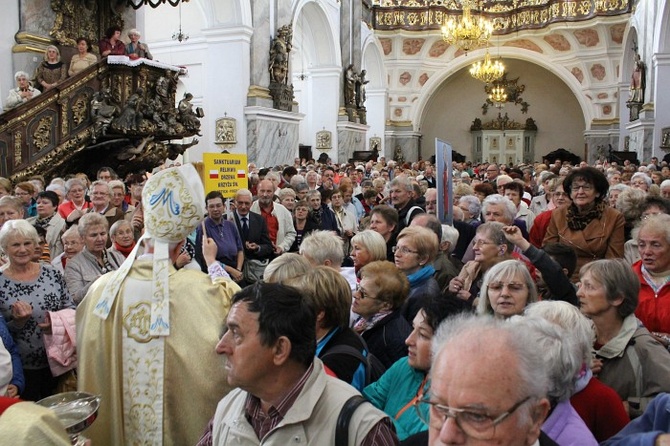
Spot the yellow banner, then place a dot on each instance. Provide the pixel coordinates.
(224, 172)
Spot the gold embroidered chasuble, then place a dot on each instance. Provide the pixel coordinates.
(155, 390)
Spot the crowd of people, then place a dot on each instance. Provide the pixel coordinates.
(52, 70)
(542, 314)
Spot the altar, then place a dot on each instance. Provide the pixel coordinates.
(503, 141)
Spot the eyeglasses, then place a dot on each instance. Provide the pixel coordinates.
(477, 425)
(583, 187)
(647, 216)
(559, 194)
(481, 242)
(363, 293)
(512, 286)
(402, 250)
(21, 194)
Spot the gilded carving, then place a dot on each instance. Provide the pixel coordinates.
(64, 122)
(79, 110)
(42, 134)
(507, 16)
(18, 147)
(82, 18)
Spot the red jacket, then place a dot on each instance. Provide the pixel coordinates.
(653, 309)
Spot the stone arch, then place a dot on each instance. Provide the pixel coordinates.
(226, 12)
(434, 82)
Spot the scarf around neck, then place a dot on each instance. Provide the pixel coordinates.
(420, 276)
(125, 251)
(578, 221)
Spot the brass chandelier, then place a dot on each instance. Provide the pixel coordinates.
(498, 96)
(486, 70)
(468, 33)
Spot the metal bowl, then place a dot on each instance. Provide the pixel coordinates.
(75, 410)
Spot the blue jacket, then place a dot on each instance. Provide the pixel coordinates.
(643, 430)
(17, 367)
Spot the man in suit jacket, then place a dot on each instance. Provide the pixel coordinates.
(253, 230)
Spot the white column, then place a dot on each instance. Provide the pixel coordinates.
(226, 78)
(661, 67)
(376, 101)
(322, 94)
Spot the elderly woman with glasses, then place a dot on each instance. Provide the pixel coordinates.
(507, 289)
(593, 229)
(627, 357)
(490, 247)
(415, 251)
(378, 298)
(94, 260)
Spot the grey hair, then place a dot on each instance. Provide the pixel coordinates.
(134, 32)
(272, 175)
(285, 192)
(117, 225)
(656, 223)
(246, 192)
(286, 267)
(22, 228)
(91, 219)
(74, 182)
(619, 281)
(450, 234)
(117, 184)
(560, 352)
(71, 231)
(665, 183)
(507, 205)
(56, 188)
(103, 184)
(467, 328)
(20, 74)
(321, 246)
(473, 204)
(567, 316)
(494, 229)
(644, 176)
(402, 182)
(505, 271)
(620, 187)
(373, 242)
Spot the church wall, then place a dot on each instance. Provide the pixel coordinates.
(9, 24)
(457, 102)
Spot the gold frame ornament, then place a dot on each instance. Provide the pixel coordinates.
(324, 140)
(226, 131)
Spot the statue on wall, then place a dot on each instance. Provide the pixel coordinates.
(360, 89)
(350, 86)
(398, 157)
(279, 55)
(281, 90)
(637, 81)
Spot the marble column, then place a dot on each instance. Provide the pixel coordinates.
(259, 94)
(598, 140)
(272, 135)
(641, 133)
(351, 137)
(406, 140)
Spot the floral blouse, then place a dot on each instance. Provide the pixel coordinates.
(47, 293)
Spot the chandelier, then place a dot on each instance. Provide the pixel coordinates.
(487, 71)
(468, 33)
(498, 96)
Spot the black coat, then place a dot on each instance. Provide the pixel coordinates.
(386, 340)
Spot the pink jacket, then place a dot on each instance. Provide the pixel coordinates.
(61, 344)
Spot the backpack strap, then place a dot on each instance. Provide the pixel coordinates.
(352, 351)
(342, 426)
(409, 214)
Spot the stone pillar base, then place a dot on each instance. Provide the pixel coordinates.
(272, 136)
(351, 137)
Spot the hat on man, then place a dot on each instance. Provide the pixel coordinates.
(174, 205)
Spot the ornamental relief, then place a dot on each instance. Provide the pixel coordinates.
(42, 133)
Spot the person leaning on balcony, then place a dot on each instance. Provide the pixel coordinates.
(22, 93)
(52, 70)
(84, 57)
